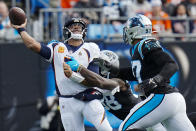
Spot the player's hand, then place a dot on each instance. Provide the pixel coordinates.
(123, 85)
(150, 84)
(74, 65)
(19, 26)
(67, 70)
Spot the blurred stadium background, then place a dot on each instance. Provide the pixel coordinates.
(25, 77)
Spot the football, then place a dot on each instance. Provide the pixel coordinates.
(17, 16)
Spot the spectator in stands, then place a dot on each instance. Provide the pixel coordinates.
(36, 5)
(191, 6)
(182, 25)
(175, 2)
(112, 12)
(68, 3)
(168, 7)
(93, 16)
(136, 7)
(157, 15)
(6, 32)
(55, 3)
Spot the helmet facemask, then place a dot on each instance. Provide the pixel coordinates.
(74, 29)
(128, 35)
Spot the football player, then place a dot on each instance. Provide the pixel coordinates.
(72, 110)
(152, 68)
(118, 103)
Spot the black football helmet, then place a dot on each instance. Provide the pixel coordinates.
(68, 34)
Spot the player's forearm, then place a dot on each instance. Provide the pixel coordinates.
(94, 80)
(168, 70)
(126, 73)
(169, 66)
(30, 42)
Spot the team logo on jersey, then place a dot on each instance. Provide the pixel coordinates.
(61, 49)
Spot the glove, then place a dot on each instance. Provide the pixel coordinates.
(74, 65)
(150, 84)
(89, 94)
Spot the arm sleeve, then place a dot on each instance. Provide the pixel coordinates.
(154, 53)
(125, 70)
(45, 51)
(126, 74)
(169, 66)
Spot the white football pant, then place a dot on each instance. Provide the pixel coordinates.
(168, 109)
(74, 111)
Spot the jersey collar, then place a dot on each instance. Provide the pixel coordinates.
(133, 48)
(72, 48)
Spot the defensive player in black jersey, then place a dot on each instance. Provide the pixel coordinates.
(152, 68)
(120, 103)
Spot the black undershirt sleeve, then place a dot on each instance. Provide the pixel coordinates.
(45, 51)
(162, 59)
(126, 74)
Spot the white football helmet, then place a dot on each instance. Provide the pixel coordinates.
(137, 27)
(112, 59)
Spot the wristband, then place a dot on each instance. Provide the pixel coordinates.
(79, 68)
(20, 30)
(76, 77)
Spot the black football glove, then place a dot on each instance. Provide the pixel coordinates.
(148, 85)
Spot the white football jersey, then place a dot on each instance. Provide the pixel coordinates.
(84, 55)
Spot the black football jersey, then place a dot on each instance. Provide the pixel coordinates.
(147, 60)
(120, 103)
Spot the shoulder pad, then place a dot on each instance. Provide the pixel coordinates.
(53, 41)
(152, 43)
(93, 46)
(148, 44)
